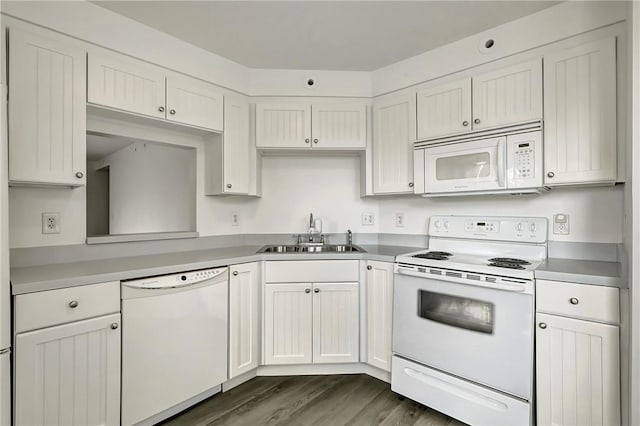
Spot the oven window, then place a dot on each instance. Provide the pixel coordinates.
(468, 166)
(456, 311)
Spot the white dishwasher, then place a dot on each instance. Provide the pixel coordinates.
(174, 342)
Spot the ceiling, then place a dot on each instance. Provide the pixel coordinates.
(322, 35)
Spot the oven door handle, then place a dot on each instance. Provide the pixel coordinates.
(512, 287)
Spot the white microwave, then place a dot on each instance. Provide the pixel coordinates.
(503, 163)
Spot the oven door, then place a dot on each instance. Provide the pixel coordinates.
(466, 166)
(478, 333)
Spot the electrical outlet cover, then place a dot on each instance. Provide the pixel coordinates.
(399, 220)
(50, 223)
(235, 219)
(561, 224)
(368, 219)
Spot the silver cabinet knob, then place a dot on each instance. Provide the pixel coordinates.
(161, 109)
(307, 290)
(410, 184)
(542, 325)
(477, 121)
(465, 123)
(79, 175)
(369, 267)
(316, 290)
(550, 174)
(172, 112)
(229, 185)
(315, 141)
(73, 304)
(114, 326)
(574, 301)
(235, 273)
(307, 140)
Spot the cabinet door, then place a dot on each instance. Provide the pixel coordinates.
(283, 125)
(577, 372)
(507, 96)
(444, 109)
(236, 146)
(194, 102)
(379, 309)
(287, 329)
(394, 121)
(339, 126)
(243, 319)
(120, 82)
(335, 323)
(69, 374)
(47, 110)
(580, 114)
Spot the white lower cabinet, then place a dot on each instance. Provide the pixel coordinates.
(69, 374)
(243, 319)
(335, 323)
(379, 288)
(288, 321)
(311, 322)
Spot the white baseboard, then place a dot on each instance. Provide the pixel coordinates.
(238, 380)
(324, 369)
(179, 407)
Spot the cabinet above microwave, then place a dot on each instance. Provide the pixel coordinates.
(488, 162)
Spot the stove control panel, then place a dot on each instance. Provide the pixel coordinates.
(524, 229)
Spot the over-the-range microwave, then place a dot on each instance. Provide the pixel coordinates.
(506, 161)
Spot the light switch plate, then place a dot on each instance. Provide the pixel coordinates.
(368, 219)
(400, 220)
(561, 224)
(235, 219)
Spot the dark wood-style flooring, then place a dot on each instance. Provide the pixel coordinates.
(311, 400)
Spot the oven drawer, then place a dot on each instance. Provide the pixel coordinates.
(463, 400)
(589, 302)
(52, 307)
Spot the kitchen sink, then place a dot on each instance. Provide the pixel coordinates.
(308, 248)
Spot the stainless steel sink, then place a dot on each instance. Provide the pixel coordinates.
(308, 248)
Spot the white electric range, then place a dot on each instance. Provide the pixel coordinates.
(463, 318)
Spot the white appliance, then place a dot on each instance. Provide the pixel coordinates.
(5, 290)
(463, 317)
(487, 162)
(174, 342)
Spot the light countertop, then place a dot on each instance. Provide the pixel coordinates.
(48, 277)
(581, 272)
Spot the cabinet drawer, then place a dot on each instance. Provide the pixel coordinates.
(311, 271)
(588, 302)
(47, 308)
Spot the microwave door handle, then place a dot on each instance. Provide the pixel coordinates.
(501, 168)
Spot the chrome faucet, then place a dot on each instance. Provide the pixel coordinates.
(349, 237)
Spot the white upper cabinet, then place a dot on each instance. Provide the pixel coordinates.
(394, 130)
(124, 83)
(47, 110)
(336, 336)
(243, 319)
(127, 84)
(508, 95)
(379, 313)
(339, 126)
(580, 114)
(194, 102)
(444, 109)
(236, 146)
(317, 126)
(501, 97)
(283, 125)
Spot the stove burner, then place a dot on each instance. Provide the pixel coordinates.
(508, 265)
(509, 260)
(434, 255)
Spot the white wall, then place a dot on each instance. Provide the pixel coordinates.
(595, 213)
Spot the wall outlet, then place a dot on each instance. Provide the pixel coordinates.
(235, 219)
(399, 220)
(561, 224)
(50, 223)
(368, 219)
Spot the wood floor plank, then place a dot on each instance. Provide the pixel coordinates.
(335, 400)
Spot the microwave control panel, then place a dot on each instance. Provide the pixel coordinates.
(524, 160)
